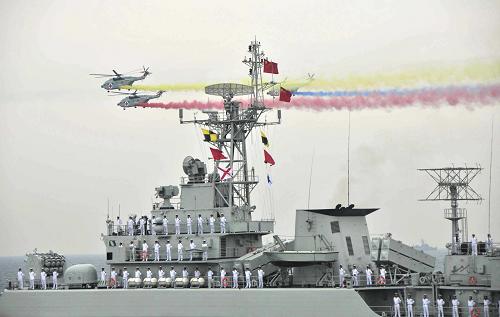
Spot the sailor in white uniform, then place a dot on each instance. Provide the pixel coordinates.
(103, 276)
(409, 306)
(130, 225)
(248, 276)
(235, 278)
(177, 225)
(341, 276)
(131, 250)
(440, 306)
(119, 226)
(149, 274)
(260, 275)
(454, 306)
(473, 243)
(397, 302)
(189, 223)
(192, 247)
(222, 223)
(43, 279)
(157, 251)
(197, 273)
(180, 249)
(125, 278)
(32, 279)
(153, 222)
(113, 280)
(168, 248)
(54, 279)
(425, 305)
(165, 225)
(142, 225)
(354, 275)
(173, 274)
(211, 221)
(210, 277)
(200, 225)
(145, 251)
(486, 306)
(137, 273)
(470, 305)
(161, 274)
(489, 244)
(204, 247)
(369, 273)
(223, 281)
(20, 279)
(185, 273)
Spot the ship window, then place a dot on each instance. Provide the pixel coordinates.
(335, 226)
(109, 256)
(112, 243)
(349, 245)
(366, 245)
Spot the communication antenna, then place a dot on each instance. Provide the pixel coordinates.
(310, 180)
(489, 185)
(232, 126)
(349, 160)
(453, 184)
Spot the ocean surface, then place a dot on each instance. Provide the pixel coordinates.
(10, 264)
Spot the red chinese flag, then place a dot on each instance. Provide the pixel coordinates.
(270, 67)
(285, 95)
(268, 158)
(217, 154)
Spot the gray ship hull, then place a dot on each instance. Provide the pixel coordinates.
(185, 302)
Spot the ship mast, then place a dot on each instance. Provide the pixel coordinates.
(232, 127)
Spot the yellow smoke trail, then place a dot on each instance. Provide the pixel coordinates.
(168, 87)
(428, 76)
(472, 73)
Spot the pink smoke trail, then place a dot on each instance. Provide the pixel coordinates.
(427, 97)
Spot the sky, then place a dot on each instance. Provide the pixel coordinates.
(66, 148)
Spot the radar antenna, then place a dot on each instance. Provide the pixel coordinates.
(232, 126)
(453, 184)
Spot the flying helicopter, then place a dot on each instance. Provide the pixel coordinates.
(120, 80)
(275, 90)
(135, 100)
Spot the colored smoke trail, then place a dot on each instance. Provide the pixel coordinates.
(431, 76)
(471, 73)
(190, 105)
(168, 87)
(483, 95)
(466, 95)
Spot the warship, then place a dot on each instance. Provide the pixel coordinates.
(300, 276)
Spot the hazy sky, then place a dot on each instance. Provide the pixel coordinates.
(65, 147)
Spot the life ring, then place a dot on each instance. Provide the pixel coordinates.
(472, 280)
(224, 281)
(475, 312)
(380, 280)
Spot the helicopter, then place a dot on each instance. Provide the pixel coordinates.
(135, 100)
(275, 90)
(120, 80)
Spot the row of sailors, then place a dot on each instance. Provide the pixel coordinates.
(144, 252)
(440, 304)
(43, 279)
(145, 225)
(473, 244)
(355, 276)
(224, 280)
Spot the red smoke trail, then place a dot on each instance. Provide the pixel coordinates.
(425, 97)
(482, 95)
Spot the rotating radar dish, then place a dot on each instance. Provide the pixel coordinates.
(228, 90)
